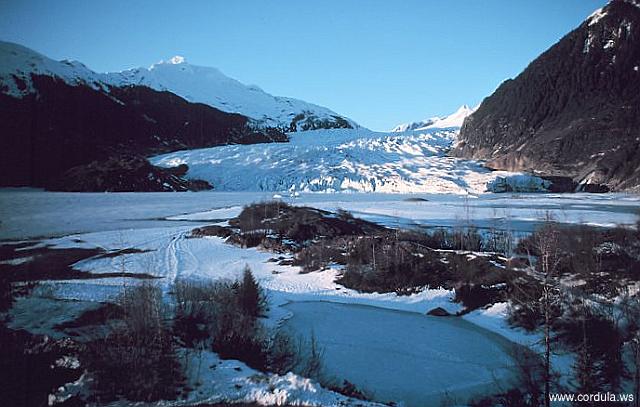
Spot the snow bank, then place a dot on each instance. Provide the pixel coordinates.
(216, 381)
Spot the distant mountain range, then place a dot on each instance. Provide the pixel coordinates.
(575, 110)
(453, 120)
(66, 127)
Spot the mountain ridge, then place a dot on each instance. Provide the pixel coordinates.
(194, 83)
(211, 86)
(574, 111)
(450, 121)
(62, 127)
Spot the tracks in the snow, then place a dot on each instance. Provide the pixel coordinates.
(180, 262)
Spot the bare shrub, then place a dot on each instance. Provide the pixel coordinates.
(467, 238)
(474, 296)
(6, 293)
(196, 310)
(253, 217)
(458, 238)
(224, 315)
(283, 353)
(498, 241)
(137, 360)
(28, 369)
(311, 364)
(350, 390)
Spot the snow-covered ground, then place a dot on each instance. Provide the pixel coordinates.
(171, 256)
(355, 160)
(160, 223)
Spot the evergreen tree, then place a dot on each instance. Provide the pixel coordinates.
(251, 297)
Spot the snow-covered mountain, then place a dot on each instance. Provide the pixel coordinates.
(193, 83)
(453, 120)
(18, 64)
(210, 86)
(65, 127)
(352, 160)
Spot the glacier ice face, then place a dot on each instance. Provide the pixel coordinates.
(347, 160)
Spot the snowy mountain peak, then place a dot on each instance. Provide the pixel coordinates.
(453, 120)
(194, 83)
(174, 60)
(210, 86)
(177, 60)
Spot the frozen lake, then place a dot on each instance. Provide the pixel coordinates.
(27, 213)
(404, 356)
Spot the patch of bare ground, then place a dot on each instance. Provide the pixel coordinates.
(19, 262)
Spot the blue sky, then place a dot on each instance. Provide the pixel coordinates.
(378, 62)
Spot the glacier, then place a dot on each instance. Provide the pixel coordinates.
(349, 160)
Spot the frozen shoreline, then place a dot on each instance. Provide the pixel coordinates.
(32, 213)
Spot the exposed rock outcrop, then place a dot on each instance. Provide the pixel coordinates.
(126, 174)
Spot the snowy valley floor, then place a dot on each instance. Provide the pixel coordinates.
(422, 363)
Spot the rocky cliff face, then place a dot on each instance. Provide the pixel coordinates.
(574, 111)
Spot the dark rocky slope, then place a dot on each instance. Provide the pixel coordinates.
(104, 134)
(127, 173)
(574, 111)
